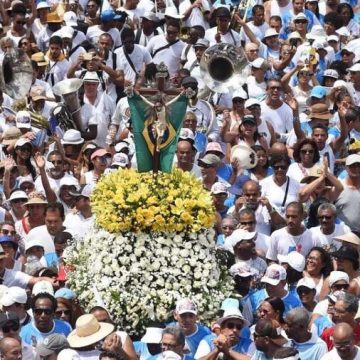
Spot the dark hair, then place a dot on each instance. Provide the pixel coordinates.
(127, 32)
(274, 159)
(174, 23)
(278, 305)
(345, 6)
(67, 303)
(273, 79)
(352, 113)
(29, 166)
(320, 126)
(56, 206)
(256, 8)
(44, 296)
(276, 18)
(54, 152)
(334, 19)
(297, 205)
(200, 30)
(325, 258)
(110, 354)
(257, 148)
(56, 40)
(340, 67)
(62, 238)
(316, 12)
(300, 144)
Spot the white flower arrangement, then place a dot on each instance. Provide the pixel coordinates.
(139, 277)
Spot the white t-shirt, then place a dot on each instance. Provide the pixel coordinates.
(78, 224)
(231, 37)
(255, 89)
(283, 243)
(54, 183)
(259, 31)
(196, 16)
(333, 355)
(297, 171)
(280, 118)
(16, 278)
(323, 240)
(276, 194)
(170, 56)
(139, 57)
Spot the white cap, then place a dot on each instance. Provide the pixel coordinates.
(352, 159)
(343, 31)
(13, 295)
(317, 32)
(43, 286)
(18, 194)
(186, 134)
(348, 49)
(67, 32)
(70, 18)
(68, 181)
(300, 16)
(170, 355)
(23, 120)
(258, 63)
(68, 354)
(186, 306)
(232, 313)
(218, 188)
(149, 16)
(306, 282)
(72, 137)
(241, 269)
(153, 335)
(120, 159)
(319, 44)
(240, 93)
(42, 5)
(91, 76)
(336, 276)
(294, 35)
(250, 102)
(270, 32)
(274, 274)
(294, 259)
(121, 145)
(32, 243)
(332, 38)
(22, 141)
(355, 68)
(331, 73)
(239, 235)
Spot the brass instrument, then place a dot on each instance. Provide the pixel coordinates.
(68, 113)
(184, 32)
(221, 67)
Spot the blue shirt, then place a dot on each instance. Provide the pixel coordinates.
(32, 336)
(322, 323)
(312, 349)
(141, 350)
(158, 357)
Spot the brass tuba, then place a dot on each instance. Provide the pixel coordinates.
(68, 113)
(221, 67)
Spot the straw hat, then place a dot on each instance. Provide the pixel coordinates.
(88, 331)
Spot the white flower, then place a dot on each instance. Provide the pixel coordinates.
(184, 253)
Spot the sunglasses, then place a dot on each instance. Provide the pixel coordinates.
(233, 326)
(43, 311)
(8, 232)
(303, 290)
(340, 287)
(57, 162)
(10, 327)
(206, 166)
(280, 167)
(305, 151)
(300, 22)
(61, 312)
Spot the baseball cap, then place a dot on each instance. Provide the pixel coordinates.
(99, 153)
(23, 119)
(248, 119)
(70, 18)
(218, 188)
(294, 35)
(306, 282)
(239, 235)
(332, 38)
(355, 68)
(270, 32)
(37, 93)
(8, 316)
(52, 344)
(121, 146)
(43, 286)
(68, 181)
(65, 293)
(239, 93)
(8, 239)
(120, 159)
(318, 92)
(108, 15)
(294, 259)
(187, 134)
(336, 276)
(347, 49)
(210, 159)
(85, 191)
(149, 16)
(202, 43)
(352, 159)
(21, 142)
(14, 295)
(189, 80)
(241, 269)
(153, 335)
(332, 73)
(42, 5)
(259, 63)
(250, 102)
(186, 306)
(274, 274)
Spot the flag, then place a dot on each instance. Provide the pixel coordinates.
(143, 118)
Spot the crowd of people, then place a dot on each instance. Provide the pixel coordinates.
(278, 152)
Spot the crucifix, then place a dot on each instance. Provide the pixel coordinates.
(160, 108)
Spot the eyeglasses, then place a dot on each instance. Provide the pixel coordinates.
(232, 326)
(306, 151)
(7, 232)
(61, 312)
(340, 287)
(10, 327)
(45, 311)
(57, 162)
(280, 167)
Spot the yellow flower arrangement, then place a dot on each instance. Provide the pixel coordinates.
(126, 200)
